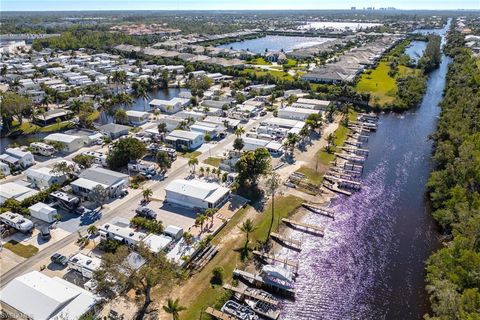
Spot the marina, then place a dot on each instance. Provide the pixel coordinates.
(309, 228)
(289, 242)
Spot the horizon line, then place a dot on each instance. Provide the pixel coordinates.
(263, 9)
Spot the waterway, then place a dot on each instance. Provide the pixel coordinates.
(274, 43)
(371, 262)
(338, 26)
(415, 49)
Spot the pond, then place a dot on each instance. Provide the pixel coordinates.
(274, 43)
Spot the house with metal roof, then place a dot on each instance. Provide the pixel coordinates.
(114, 130)
(37, 296)
(43, 178)
(17, 158)
(114, 182)
(196, 194)
(71, 143)
(16, 191)
(186, 140)
(137, 118)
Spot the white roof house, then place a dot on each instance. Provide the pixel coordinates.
(38, 296)
(296, 113)
(119, 230)
(16, 221)
(169, 106)
(196, 193)
(43, 178)
(316, 103)
(71, 142)
(113, 181)
(137, 118)
(180, 139)
(17, 158)
(4, 169)
(13, 190)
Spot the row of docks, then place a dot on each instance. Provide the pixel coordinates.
(344, 175)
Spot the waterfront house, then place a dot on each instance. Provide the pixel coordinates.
(137, 118)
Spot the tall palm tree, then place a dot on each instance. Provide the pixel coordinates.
(147, 193)
(174, 308)
(239, 131)
(193, 162)
(92, 230)
(330, 142)
(247, 228)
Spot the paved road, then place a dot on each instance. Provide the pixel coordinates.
(114, 209)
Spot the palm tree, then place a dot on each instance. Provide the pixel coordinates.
(200, 220)
(273, 182)
(193, 162)
(147, 193)
(239, 131)
(207, 171)
(202, 170)
(210, 212)
(174, 308)
(247, 228)
(76, 105)
(330, 142)
(92, 230)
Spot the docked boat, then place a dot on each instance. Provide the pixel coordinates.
(280, 276)
(239, 311)
(263, 308)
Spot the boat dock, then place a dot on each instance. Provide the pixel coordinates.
(257, 281)
(310, 228)
(219, 314)
(344, 183)
(245, 292)
(320, 210)
(358, 137)
(334, 187)
(357, 151)
(350, 157)
(271, 257)
(295, 244)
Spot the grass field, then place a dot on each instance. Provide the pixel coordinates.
(228, 257)
(277, 74)
(25, 251)
(260, 61)
(215, 162)
(191, 154)
(379, 84)
(29, 128)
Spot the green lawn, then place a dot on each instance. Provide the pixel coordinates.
(25, 251)
(260, 61)
(191, 154)
(379, 84)
(313, 176)
(29, 128)
(215, 162)
(291, 62)
(260, 72)
(207, 295)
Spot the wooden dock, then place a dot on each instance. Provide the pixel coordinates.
(295, 244)
(350, 157)
(359, 137)
(245, 292)
(219, 314)
(356, 150)
(305, 226)
(320, 210)
(271, 257)
(334, 187)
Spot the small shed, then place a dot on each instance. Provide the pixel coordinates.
(43, 212)
(174, 232)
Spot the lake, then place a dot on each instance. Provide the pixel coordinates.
(274, 43)
(415, 49)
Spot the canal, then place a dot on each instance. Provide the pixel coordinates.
(371, 262)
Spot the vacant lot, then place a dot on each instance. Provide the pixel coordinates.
(25, 251)
(379, 84)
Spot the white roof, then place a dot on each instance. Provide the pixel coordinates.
(182, 134)
(299, 110)
(90, 263)
(44, 173)
(137, 114)
(288, 123)
(61, 137)
(256, 142)
(87, 184)
(16, 191)
(316, 102)
(157, 243)
(42, 208)
(41, 297)
(17, 152)
(205, 191)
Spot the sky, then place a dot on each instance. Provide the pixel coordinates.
(79, 5)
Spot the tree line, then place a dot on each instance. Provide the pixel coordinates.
(453, 272)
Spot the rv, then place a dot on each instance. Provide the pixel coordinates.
(154, 149)
(142, 167)
(98, 157)
(42, 149)
(65, 200)
(16, 221)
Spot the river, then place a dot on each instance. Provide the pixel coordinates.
(371, 262)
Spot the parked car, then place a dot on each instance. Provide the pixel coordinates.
(263, 113)
(59, 258)
(82, 210)
(145, 212)
(45, 233)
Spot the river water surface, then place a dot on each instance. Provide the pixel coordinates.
(371, 262)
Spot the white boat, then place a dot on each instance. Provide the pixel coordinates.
(239, 311)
